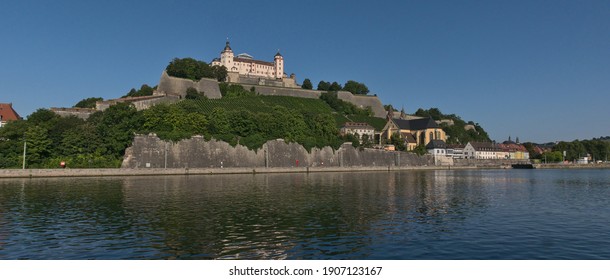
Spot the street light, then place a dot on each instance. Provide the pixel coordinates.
(25, 147)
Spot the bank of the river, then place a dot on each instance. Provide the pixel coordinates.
(104, 172)
(41, 173)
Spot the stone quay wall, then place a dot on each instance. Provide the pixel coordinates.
(151, 152)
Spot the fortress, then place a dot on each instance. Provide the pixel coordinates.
(267, 78)
(243, 68)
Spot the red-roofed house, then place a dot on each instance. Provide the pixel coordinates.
(7, 113)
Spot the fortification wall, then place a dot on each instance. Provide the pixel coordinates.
(82, 113)
(178, 86)
(150, 152)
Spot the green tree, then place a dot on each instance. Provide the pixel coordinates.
(220, 73)
(219, 122)
(324, 86)
(356, 87)
(335, 87)
(307, 84)
(145, 90)
(192, 69)
(88, 102)
(38, 145)
(420, 150)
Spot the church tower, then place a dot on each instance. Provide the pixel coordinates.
(278, 63)
(226, 56)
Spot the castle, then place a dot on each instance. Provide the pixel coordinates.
(244, 69)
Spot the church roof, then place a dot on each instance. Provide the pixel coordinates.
(416, 124)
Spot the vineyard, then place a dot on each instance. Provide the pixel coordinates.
(258, 104)
(265, 104)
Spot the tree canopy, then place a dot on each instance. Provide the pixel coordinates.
(356, 87)
(193, 69)
(307, 84)
(88, 102)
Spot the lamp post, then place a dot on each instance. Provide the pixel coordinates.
(25, 147)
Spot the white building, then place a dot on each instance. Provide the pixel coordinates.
(483, 150)
(359, 129)
(244, 64)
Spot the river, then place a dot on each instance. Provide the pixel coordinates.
(426, 214)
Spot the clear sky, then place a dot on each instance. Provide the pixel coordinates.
(537, 70)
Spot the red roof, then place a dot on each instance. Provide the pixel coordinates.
(7, 113)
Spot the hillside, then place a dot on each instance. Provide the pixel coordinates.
(460, 132)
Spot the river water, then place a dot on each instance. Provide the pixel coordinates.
(462, 214)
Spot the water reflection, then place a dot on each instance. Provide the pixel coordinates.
(370, 215)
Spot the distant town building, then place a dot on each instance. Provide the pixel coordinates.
(483, 150)
(358, 128)
(7, 113)
(437, 148)
(455, 150)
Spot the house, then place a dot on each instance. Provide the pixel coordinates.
(483, 150)
(414, 131)
(455, 150)
(7, 113)
(359, 129)
(514, 150)
(437, 148)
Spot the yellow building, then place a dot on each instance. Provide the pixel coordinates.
(414, 132)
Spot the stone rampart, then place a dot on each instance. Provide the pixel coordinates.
(82, 113)
(151, 152)
(178, 86)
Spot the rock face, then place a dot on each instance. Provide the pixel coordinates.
(151, 152)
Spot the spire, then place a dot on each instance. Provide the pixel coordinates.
(228, 45)
(278, 53)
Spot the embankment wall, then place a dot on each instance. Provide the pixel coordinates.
(151, 152)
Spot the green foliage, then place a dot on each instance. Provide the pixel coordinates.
(307, 84)
(456, 133)
(398, 143)
(193, 69)
(324, 86)
(192, 93)
(88, 102)
(145, 90)
(335, 87)
(356, 87)
(420, 150)
(170, 122)
(233, 90)
(343, 107)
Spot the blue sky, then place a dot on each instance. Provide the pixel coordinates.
(537, 70)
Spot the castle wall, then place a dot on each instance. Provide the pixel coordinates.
(82, 113)
(151, 152)
(178, 86)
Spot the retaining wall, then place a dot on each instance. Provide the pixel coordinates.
(151, 152)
